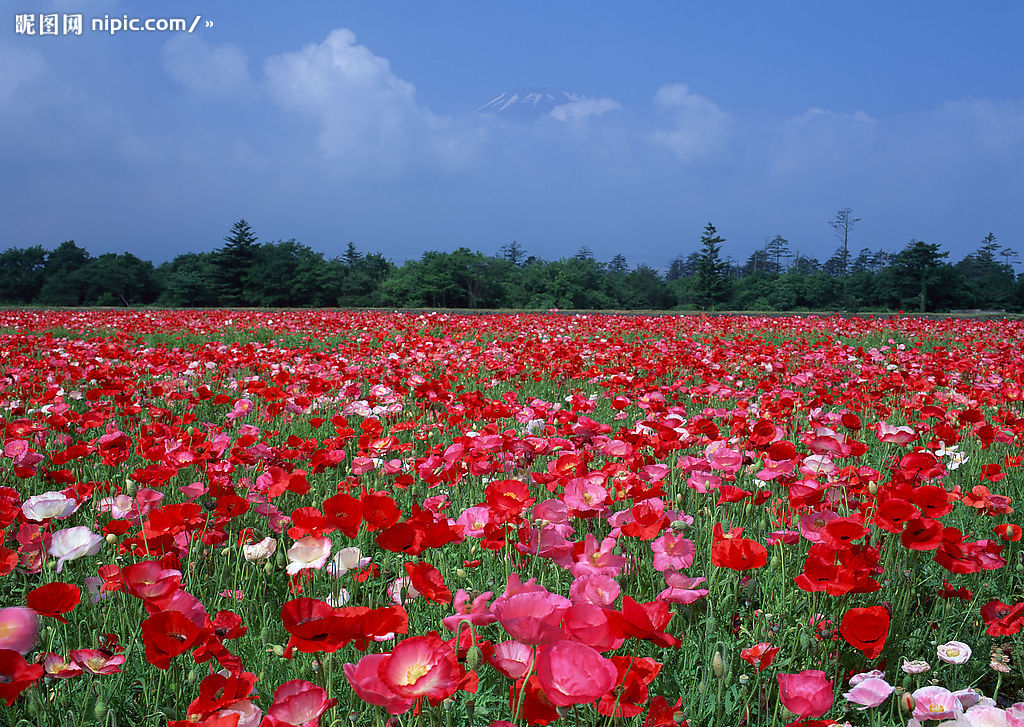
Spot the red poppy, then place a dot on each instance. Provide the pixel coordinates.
(866, 629)
(634, 674)
(922, 533)
(428, 581)
(1001, 619)
(647, 521)
(16, 675)
(167, 634)
(760, 656)
(735, 552)
(54, 600)
(1009, 532)
(933, 501)
(345, 513)
(379, 511)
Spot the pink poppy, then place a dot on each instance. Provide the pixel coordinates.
(869, 692)
(574, 673)
(298, 703)
(366, 682)
(19, 629)
(807, 694)
(936, 703)
(672, 551)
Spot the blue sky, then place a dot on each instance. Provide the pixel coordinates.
(335, 121)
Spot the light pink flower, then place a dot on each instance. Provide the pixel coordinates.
(681, 589)
(936, 703)
(870, 692)
(915, 667)
(1015, 715)
(512, 659)
(48, 505)
(954, 652)
(308, 552)
(73, 543)
(811, 524)
(987, 716)
(299, 703)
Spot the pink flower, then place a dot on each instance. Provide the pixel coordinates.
(299, 704)
(1015, 715)
(40, 508)
(421, 666)
(811, 524)
(95, 661)
(672, 551)
(598, 558)
(474, 520)
(807, 694)
(512, 659)
(477, 614)
(57, 667)
(366, 683)
(600, 590)
(574, 673)
(954, 652)
(986, 716)
(936, 703)
(681, 589)
(530, 613)
(19, 629)
(870, 692)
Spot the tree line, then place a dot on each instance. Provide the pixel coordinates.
(246, 273)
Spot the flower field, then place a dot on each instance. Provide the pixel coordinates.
(236, 518)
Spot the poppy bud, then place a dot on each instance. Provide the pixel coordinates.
(110, 538)
(277, 649)
(679, 497)
(678, 718)
(268, 567)
(460, 572)
(907, 702)
(473, 657)
(718, 665)
(873, 488)
(99, 710)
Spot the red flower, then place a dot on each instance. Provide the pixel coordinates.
(735, 552)
(634, 674)
(428, 581)
(54, 600)
(760, 656)
(300, 704)
(167, 634)
(866, 629)
(922, 533)
(1009, 532)
(16, 675)
(345, 513)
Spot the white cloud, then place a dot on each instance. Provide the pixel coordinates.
(208, 70)
(584, 107)
(699, 127)
(366, 114)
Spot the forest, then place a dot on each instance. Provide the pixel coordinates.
(244, 272)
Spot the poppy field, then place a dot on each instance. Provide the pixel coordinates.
(284, 518)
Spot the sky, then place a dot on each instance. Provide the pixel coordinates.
(335, 121)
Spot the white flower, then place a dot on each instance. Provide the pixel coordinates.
(308, 552)
(259, 551)
(48, 505)
(345, 560)
(73, 543)
(398, 586)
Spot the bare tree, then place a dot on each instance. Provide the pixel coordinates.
(843, 224)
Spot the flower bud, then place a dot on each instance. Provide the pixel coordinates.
(473, 657)
(907, 702)
(718, 665)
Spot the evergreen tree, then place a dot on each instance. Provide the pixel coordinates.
(618, 264)
(514, 253)
(232, 264)
(712, 284)
(778, 250)
(843, 224)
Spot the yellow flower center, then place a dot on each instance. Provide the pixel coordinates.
(936, 708)
(414, 672)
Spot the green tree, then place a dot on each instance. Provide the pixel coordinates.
(66, 281)
(778, 250)
(919, 264)
(22, 273)
(124, 279)
(187, 281)
(514, 253)
(232, 264)
(712, 284)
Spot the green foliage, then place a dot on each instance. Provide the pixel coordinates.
(287, 273)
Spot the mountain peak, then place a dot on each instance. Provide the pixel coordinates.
(528, 102)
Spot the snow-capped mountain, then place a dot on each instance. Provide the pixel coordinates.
(527, 104)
